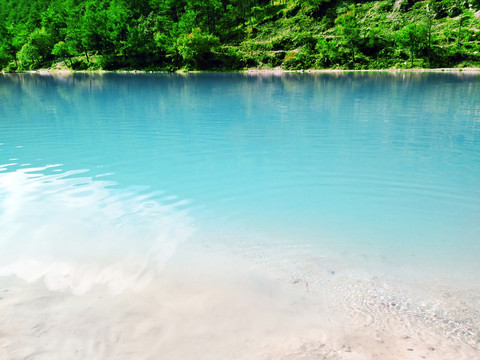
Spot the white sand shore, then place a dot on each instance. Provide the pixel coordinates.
(216, 307)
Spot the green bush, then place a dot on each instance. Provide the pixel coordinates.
(298, 60)
(444, 8)
(327, 53)
(36, 51)
(282, 43)
(196, 48)
(111, 62)
(267, 59)
(231, 59)
(4, 60)
(305, 40)
(62, 51)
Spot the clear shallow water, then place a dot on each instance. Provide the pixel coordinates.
(104, 177)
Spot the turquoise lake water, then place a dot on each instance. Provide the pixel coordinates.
(387, 163)
(376, 172)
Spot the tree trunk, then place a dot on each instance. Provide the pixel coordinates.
(459, 32)
(429, 39)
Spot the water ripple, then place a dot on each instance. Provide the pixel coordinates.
(76, 231)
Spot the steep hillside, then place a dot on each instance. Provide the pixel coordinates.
(238, 34)
(367, 35)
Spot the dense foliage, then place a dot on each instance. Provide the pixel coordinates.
(238, 34)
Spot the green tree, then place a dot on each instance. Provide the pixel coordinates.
(347, 30)
(54, 20)
(327, 53)
(141, 38)
(118, 19)
(463, 18)
(61, 50)
(412, 38)
(93, 27)
(204, 13)
(35, 52)
(4, 46)
(242, 9)
(74, 36)
(13, 38)
(196, 48)
(429, 17)
(187, 22)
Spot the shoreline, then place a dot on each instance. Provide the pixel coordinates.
(248, 71)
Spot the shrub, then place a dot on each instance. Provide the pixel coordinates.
(36, 50)
(231, 59)
(196, 48)
(297, 60)
(61, 51)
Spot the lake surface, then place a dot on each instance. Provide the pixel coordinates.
(360, 191)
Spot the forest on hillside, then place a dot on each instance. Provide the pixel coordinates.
(238, 34)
